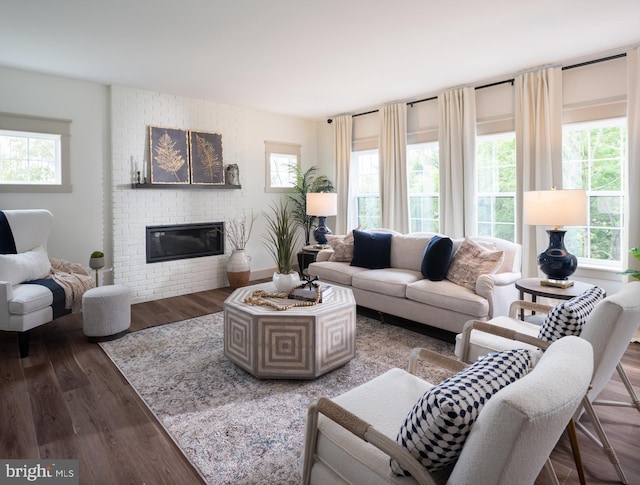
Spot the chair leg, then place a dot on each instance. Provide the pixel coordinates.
(23, 343)
(603, 441)
(635, 403)
(575, 449)
(551, 473)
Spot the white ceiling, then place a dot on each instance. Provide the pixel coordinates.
(311, 59)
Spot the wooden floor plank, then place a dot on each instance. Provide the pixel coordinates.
(68, 400)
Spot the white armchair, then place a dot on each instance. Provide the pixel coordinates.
(24, 258)
(350, 439)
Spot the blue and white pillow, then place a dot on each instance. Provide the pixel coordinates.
(568, 317)
(437, 427)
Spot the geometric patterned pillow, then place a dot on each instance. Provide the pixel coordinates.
(568, 317)
(437, 427)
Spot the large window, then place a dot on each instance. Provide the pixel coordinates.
(424, 186)
(280, 158)
(34, 154)
(366, 188)
(496, 185)
(593, 158)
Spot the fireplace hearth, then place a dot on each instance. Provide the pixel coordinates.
(168, 243)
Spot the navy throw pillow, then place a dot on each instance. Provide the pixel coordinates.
(371, 250)
(436, 258)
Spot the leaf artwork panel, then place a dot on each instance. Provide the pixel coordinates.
(169, 156)
(207, 165)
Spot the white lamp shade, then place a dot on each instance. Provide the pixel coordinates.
(322, 204)
(555, 208)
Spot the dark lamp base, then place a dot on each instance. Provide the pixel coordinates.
(322, 231)
(555, 261)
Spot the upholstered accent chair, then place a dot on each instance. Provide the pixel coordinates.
(28, 296)
(353, 437)
(609, 328)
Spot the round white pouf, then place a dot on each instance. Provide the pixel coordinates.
(106, 312)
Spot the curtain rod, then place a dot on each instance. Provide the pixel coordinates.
(511, 81)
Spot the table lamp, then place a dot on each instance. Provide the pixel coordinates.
(556, 208)
(322, 204)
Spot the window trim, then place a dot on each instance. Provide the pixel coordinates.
(51, 126)
(283, 148)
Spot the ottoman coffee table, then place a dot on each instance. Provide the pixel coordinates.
(298, 343)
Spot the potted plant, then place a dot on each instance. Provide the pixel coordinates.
(96, 261)
(238, 232)
(634, 273)
(306, 182)
(281, 240)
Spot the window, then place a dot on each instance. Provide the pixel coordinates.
(424, 187)
(366, 188)
(496, 185)
(280, 158)
(593, 158)
(34, 154)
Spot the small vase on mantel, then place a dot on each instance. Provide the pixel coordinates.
(238, 268)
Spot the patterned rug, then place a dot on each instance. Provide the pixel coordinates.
(233, 427)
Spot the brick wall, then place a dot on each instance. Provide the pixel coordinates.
(132, 112)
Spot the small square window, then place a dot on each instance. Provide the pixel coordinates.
(280, 159)
(34, 154)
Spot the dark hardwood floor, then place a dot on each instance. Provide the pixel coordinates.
(67, 400)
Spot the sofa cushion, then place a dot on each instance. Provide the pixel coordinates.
(470, 261)
(568, 317)
(371, 250)
(26, 266)
(340, 273)
(342, 247)
(407, 250)
(436, 258)
(29, 298)
(389, 281)
(436, 428)
(446, 294)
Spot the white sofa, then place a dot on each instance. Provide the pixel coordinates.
(401, 289)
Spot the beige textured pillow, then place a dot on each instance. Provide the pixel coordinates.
(470, 261)
(342, 248)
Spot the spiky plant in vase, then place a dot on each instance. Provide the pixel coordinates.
(282, 240)
(238, 232)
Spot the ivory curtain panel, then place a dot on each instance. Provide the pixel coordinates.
(538, 151)
(342, 129)
(394, 190)
(632, 199)
(457, 145)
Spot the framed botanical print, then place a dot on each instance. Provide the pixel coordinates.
(207, 166)
(169, 155)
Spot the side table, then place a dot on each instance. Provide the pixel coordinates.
(307, 256)
(532, 286)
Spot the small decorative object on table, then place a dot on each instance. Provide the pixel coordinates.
(281, 241)
(96, 261)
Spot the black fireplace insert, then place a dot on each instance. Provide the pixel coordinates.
(168, 243)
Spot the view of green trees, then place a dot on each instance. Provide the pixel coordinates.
(26, 159)
(593, 158)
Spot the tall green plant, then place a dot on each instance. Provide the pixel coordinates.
(306, 182)
(634, 273)
(282, 237)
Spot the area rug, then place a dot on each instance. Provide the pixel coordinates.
(234, 427)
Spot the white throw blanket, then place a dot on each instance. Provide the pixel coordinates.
(74, 280)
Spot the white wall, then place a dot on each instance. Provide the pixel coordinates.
(80, 216)
(243, 135)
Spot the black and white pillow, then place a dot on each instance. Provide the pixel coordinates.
(437, 427)
(568, 317)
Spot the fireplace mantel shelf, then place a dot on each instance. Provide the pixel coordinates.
(184, 186)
